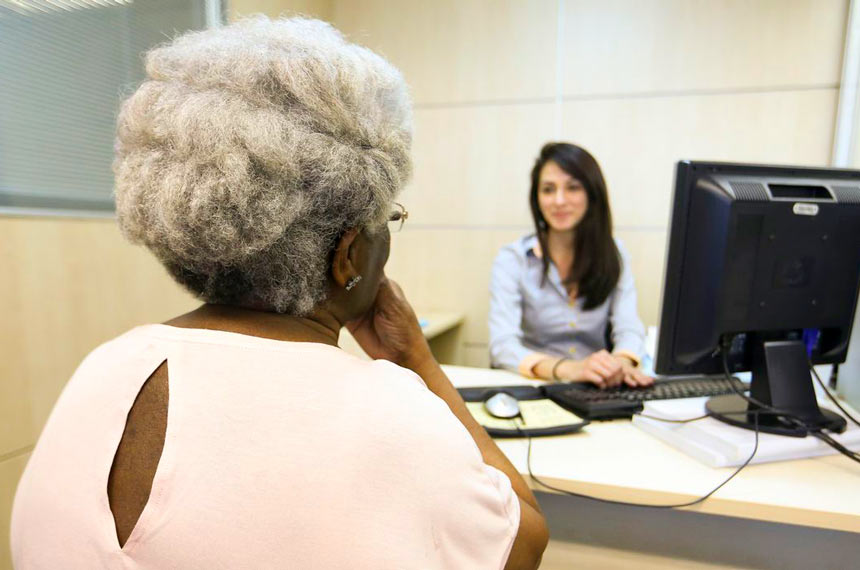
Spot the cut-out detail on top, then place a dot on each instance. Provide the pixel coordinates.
(138, 453)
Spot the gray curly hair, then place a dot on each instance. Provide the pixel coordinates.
(251, 148)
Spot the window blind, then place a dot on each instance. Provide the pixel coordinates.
(65, 65)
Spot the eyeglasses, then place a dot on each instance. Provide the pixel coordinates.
(398, 216)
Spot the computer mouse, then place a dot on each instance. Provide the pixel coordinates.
(502, 405)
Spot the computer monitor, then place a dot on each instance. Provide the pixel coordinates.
(762, 269)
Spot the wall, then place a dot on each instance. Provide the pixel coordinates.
(322, 9)
(848, 385)
(641, 84)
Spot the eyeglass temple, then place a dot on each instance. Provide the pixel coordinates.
(400, 213)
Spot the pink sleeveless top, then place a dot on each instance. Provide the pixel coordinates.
(277, 455)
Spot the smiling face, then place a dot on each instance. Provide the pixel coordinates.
(562, 199)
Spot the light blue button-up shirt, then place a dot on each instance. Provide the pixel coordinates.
(526, 318)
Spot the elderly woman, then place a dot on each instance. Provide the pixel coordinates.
(259, 162)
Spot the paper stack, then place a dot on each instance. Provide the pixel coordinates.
(721, 445)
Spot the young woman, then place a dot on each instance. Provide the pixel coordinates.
(563, 303)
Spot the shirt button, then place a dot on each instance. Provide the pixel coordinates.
(572, 350)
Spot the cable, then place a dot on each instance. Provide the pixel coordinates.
(853, 455)
(826, 438)
(725, 359)
(797, 420)
(829, 395)
(791, 418)
(834, 377)
(764, 409)
(613, 502)
(667, 420)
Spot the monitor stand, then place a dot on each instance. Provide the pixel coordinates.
(781, 379)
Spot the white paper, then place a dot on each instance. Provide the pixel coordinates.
(721, 445)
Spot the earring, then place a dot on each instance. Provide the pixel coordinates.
(352, 282)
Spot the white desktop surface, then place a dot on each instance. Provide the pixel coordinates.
(615, 460)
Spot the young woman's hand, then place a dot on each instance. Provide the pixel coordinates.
(390, 330)
(599, 368)
(633, 376)
(603, 370)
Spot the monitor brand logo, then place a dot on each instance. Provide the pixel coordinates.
(802, 209)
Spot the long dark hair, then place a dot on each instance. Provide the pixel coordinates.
(596, 261)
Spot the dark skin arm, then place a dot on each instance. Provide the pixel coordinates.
(390, 330)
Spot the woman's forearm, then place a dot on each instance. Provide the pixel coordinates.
(532, 534)
(438, 383)
(544, 368)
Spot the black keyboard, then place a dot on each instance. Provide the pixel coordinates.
(590, 402)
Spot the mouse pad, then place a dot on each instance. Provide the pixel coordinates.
(539, 417)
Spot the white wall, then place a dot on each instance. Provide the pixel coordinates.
(849, 136)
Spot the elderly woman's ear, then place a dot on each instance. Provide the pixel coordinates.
(345, 263)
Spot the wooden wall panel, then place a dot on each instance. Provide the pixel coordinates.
(635, 46)
(638, 140)
(449, 270)
(322, 9)
(10, 473)
(647, 250)
(461, 50)
(472, 164)
(69, 286)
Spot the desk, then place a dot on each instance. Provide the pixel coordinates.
(437, 323)
(816, 499)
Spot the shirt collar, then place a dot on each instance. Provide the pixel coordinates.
(531, 245)
(532, 248)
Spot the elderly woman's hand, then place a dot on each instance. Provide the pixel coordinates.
(390, 330)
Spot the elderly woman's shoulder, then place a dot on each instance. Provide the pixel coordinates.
(414, 413)
(128, 342)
